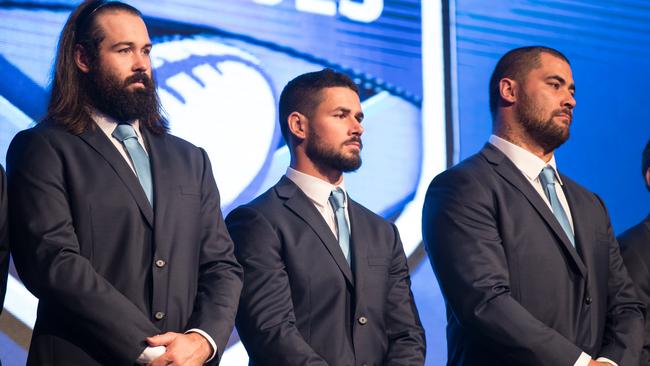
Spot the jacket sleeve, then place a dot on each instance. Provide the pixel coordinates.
(265, 320)
(47, 254)
(220, 275)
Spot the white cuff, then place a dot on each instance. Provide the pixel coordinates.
(149, 354)
(605, 359)
(210, 341)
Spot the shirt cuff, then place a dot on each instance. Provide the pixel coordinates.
(605, 359)
(583, 360)
(149, 354)
(210, 341)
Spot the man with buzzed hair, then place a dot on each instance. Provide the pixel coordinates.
(525, 257)
(116, 224)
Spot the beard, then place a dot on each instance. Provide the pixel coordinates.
(329, 157)
(111, 96)
(545, 132)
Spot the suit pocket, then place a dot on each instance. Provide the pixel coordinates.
(377, 262)
(190, 191)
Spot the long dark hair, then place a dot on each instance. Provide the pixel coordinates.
(69, 100)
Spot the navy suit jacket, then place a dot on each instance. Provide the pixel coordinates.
(517, 291)
(109, 270)
(302, 304)
(635, 248)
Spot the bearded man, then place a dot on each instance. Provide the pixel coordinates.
(325, 279)
(525, 257)
(116, 225)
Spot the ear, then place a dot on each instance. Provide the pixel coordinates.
(81, 58)
(297, 123)
(508, 90)
(647, 178)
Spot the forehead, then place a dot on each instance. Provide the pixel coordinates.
(122, 26)
(550, 65)
(339, 96)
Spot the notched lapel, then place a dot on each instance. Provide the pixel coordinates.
(300, 204)
(100, 143)
(358, 230)
(506, 169)
(158, 158)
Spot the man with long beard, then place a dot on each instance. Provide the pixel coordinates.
(325, 280)
(115, 224)
(525, 257)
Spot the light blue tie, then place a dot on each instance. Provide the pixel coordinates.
(547, 177)
(126, 134)
(337, 200)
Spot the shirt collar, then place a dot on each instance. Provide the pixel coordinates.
(108, 124)
(316, 189)
(529, 164)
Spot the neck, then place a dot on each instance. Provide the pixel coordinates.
(306, 166)
(519, 137)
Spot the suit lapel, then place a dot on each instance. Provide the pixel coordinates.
(158, 151)
(299, 203)
(358, 230)
(99, 142)
(506, 169)
(580, 216)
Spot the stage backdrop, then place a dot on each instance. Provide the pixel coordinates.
(220, 67)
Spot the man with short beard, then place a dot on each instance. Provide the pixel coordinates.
(525, 257)
(116, 225)
(325, 280)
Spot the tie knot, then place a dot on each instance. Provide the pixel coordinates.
(124, 131)
(337, 198)
(547, 176)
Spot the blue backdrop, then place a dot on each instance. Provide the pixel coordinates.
(204, 48)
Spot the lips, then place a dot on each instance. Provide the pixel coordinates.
(355, 142)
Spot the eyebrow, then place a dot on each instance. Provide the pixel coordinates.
(130, 44)
(561, 80)
(359, 116)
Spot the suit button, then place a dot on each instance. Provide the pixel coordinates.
(159, 315)
(362, 320)
(588, 300)
(160, 263)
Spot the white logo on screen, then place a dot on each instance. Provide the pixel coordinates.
(366, 11)
(217, 97)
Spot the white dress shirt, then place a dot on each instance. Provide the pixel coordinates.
(318, 191)
(108, 125)
(531, 166)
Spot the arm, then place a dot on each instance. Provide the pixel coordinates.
(624, 327)
(403, 328)
(48, 255)
(220, 275)
(4, 238)
(265, 320)
(464, 245)
(634, 256)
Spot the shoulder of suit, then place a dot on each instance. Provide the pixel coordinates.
(362, 210)
(637, 235)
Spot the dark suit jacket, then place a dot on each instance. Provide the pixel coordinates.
(4, 238)
(517, 291)
(635, 249)
(102, 262)
(303, 305)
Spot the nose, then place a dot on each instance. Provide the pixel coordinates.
(141, 62)
(569, 101)
(357, 128)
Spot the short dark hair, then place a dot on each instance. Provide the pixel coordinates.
(302, 94)
(516, 64)
(68, 97)
(645, 163)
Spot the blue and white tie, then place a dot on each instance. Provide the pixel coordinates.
(547, 177)
(337, 200)
(126, 134)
